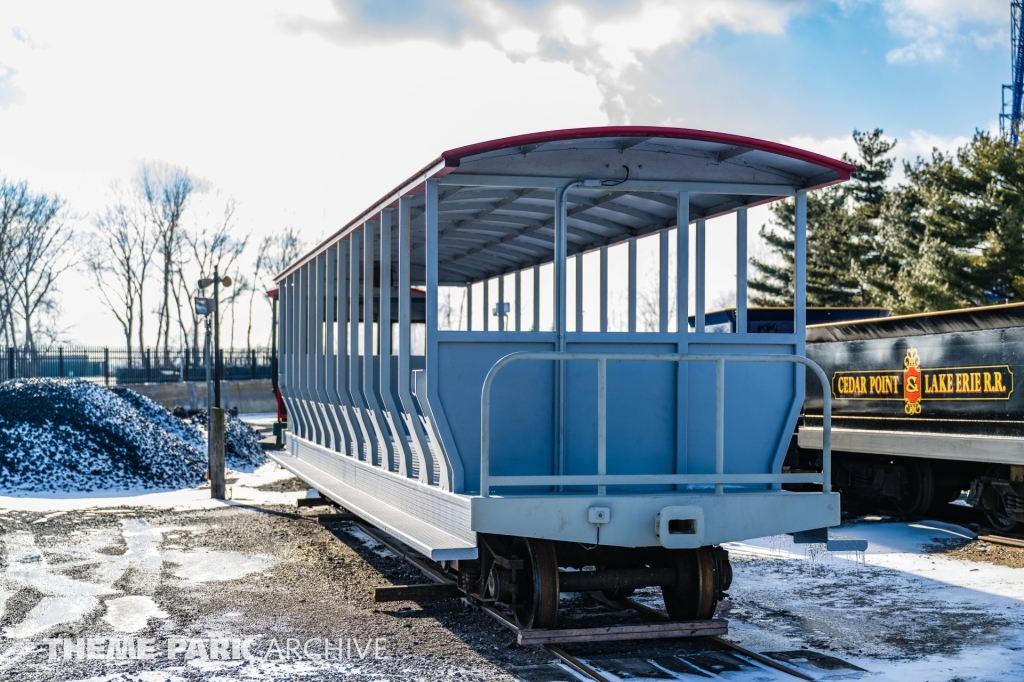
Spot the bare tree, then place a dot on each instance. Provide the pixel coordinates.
(213, 245)
(15, 203)
(117, 258)
(41, 255)
(167, 191)
(274, 253)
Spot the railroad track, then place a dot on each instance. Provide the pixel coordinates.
(716, 654)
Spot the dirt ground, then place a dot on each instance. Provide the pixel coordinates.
(253, 589)
(980, 550)
(267, 573)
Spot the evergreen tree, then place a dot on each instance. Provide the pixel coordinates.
(844, 264)
(956, 228)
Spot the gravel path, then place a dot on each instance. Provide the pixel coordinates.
(269, 574)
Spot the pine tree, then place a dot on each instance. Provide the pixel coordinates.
(955, 230)
(844, 264)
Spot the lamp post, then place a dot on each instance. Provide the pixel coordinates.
(215, 423)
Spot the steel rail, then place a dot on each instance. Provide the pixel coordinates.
(563, 655)
(719, 478)
(655, 614)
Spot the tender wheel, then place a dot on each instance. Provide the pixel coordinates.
(537, 594)
(918, 489)
(692, 597)
(1001, 523)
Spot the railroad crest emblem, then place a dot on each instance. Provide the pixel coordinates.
(912, 382)
(914, 385)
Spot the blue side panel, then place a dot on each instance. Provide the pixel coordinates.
(642, 412)
(522, 415)
(759, 400)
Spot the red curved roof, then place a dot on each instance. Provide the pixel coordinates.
(453, 157)
(492, 234)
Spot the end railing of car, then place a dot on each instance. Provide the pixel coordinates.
(602, 479)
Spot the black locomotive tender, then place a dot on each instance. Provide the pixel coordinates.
(923, 406)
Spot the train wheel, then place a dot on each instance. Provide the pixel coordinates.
(692, 597)
(918, 489)
(537, 603)
(1001, 523)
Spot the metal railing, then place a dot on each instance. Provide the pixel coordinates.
(121, 366)
(602, 478)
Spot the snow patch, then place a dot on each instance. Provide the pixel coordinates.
(131, 614)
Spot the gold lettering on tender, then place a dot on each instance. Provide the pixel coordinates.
(988, 382)
(999, 382)
(975, 382)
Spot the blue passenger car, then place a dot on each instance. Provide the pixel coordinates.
(547, 406)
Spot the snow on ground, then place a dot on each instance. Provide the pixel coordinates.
(243, 489)
(897, 610)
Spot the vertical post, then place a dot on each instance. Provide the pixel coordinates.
(487, 305)
(184, 364)
(602, 421)
(536, 298)
(355, 385)
(216, 340)
(216, 453)
(252, 363)
(632, 285)
(579, 292)
(10, 362)
(800, 270)
(60, 362)
(410, 416)
(469, 307)
(719, 422)
(560, 268)
(106, 366)
(403, 464)
(339, 439)
(149, 366)
(519, 301)
(663, 281)
(449, 469)
(354, 445)
(741, 271)
(501, 303)
(800, 331)
(372, 389)
(274, 327)
(698, 313)
(208, 361)
(604, 289)
(561, 265)
(683, 262)
(826, 443)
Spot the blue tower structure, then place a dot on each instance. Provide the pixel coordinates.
(1010, 122)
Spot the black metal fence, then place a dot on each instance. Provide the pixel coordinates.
(119, 366)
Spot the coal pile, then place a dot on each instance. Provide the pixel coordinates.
(68, 435)
(242, 449)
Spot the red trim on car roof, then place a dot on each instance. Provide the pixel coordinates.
(453, 157)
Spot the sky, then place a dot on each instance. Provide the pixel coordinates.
(306, 111)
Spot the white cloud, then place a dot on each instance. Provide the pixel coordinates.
(301, 131)
(606, 42)
(935, 26)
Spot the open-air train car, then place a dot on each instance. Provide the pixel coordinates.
(510, 450)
